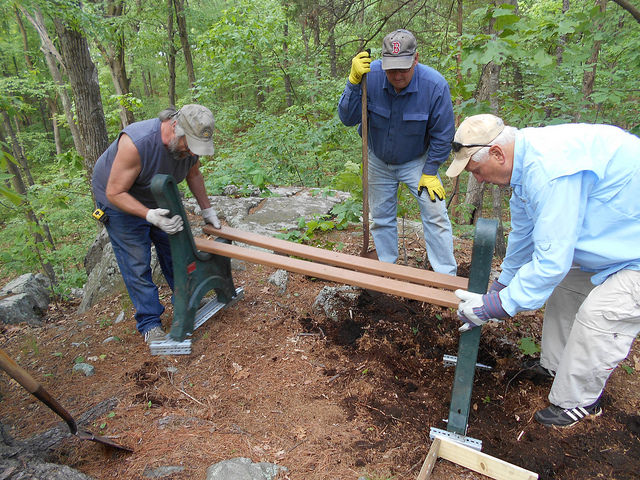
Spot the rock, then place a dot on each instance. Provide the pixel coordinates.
(332, 300)
(160, 472)
(280, 278)
(26, 299)
(19, 461)
(93, 256)
(241, 468)
(85, 368)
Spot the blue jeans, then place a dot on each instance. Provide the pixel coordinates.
(384, 180)
(131, 238)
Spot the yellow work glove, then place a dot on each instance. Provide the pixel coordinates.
(433, 185)
(360, 64)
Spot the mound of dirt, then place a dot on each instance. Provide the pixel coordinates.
(271, 380)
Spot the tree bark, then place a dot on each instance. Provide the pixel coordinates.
(285, 65)
(455, 194)
(53, 110)
(629, 8)
(53, 57)
(83, 77)
(171, 56)
(21, 188)
(114, 56)
(589, 76)
(184, 40)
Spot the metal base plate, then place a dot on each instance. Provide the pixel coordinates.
(213, 307)
(454, 437)
(172, 347)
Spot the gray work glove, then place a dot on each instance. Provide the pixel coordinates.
(160, 218)
(209, 216)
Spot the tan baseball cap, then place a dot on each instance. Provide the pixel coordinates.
(476, 131)
(197, 122)
(398, 50)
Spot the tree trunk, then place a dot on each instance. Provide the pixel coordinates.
(83, 77)
(53, 57)
(501, 243)
(171, 56)
(285, 66)
(114, 57)
(589, 76)
(25, 41)
(629, 8)
(333, 58)
(18, 151)
(184, 40)
(20, 188)
(53, 110)
(455, 194)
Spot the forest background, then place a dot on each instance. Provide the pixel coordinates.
(272, 71)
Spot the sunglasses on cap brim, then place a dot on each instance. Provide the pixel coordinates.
(456, 146)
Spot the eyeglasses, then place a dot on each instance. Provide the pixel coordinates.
(456, 146)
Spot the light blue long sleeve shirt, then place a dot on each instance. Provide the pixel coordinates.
(575, 201)
(418, 121)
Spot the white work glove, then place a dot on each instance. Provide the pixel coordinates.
(160, 218)
(209, 215)
(476, 309)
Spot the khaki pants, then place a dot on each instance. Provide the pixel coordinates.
(586, 332)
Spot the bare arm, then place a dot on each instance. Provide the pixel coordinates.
(126, 168)
(195, 181)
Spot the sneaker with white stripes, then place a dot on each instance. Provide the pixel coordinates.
(566, 417)
(155, 334)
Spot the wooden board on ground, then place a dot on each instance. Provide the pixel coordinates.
(472, 459)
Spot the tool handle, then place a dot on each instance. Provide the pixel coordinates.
(365, 167)
(21, 376)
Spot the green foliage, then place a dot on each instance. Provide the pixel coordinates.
(528, 346)
(629, 370)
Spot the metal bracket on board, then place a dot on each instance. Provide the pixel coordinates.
(452, 361)
(455, 437)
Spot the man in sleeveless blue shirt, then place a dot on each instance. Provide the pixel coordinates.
(574, 244)
(170, 144)
(410, 118)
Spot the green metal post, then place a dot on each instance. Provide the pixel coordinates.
(195, 273)
(482, 255)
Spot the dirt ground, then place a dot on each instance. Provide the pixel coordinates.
(271, 380)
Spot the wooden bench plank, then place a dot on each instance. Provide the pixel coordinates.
(351, 262)
(391, 286)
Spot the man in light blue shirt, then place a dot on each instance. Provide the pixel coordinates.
(410, 118)
(574, 244)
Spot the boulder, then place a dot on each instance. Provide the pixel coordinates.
(241, 468)
(25, 299)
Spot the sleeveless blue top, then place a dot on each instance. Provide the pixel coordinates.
(154, 157)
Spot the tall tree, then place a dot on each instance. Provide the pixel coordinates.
(53, 59)
(83, 77)
(113, 52)
(184, 40)
(171, 55)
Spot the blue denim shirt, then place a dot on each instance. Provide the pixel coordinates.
(404, 126)
(575, 201)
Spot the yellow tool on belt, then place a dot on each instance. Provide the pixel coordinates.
(99, 215)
